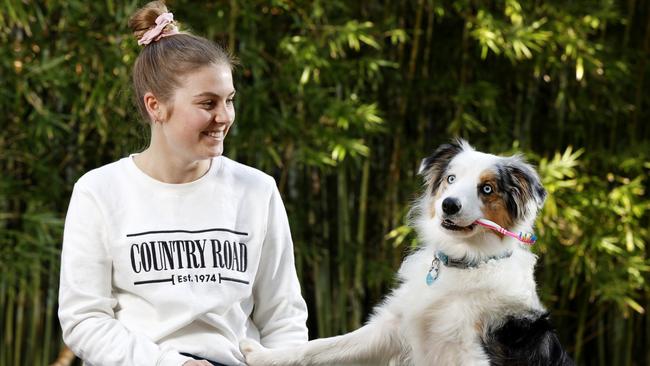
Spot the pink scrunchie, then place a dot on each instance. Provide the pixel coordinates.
(158, 32)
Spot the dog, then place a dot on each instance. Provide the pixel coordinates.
(467, 296)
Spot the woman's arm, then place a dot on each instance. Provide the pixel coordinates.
(280, 311)
(85, 300)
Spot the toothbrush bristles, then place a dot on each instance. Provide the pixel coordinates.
(527, 237)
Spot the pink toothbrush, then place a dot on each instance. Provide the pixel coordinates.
(528, 238)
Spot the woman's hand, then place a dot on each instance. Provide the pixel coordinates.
(197, 363)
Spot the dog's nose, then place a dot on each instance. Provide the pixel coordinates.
(450, 205)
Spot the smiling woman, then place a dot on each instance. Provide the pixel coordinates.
(213, 260)
(184, 89)
(190, 128)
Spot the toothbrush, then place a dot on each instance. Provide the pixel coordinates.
(528, 238)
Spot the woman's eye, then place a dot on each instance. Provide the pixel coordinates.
(208, 103)
(451, 179)
(487, 189)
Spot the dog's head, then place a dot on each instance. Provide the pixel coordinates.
(463, 185)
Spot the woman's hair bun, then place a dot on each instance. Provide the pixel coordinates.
(145, 18)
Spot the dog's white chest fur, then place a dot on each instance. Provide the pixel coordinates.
(443, 322)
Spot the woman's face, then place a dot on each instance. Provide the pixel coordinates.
(200, 113)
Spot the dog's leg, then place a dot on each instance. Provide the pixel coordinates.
(378, 341)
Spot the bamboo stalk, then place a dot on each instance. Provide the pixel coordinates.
(615, 319)
(343, 249)
(519, 109)
(20, 318)
(463, 75)
(323, 285)
(35, 321)
(390, 198)
(422, 118)
(324, 300)
(417, 33)
(601, 342)
(631, 10)
(531, 99)
(428, 39)
(287, 158)
(646, 322)
(629, 340)
(359, 293)
(640, 90)
(4, 306)
(318, 295)
(561, 108)
(580, 332)
(232, 24)
(9, 319)
(50, 310)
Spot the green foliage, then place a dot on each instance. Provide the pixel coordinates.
(339, 101)
(599, 224)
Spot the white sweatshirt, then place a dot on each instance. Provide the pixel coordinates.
(150, 269)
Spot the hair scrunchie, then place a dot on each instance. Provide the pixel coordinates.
(158, 32)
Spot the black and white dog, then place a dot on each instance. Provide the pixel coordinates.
(467, 295)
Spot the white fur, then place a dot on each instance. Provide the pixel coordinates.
(441, 324)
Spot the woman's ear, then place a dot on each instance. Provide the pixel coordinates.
(154, 107)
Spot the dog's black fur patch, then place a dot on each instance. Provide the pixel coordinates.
(433, 167)
(525, 341)
(521, 184)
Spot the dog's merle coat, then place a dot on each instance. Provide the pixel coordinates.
(484, 314)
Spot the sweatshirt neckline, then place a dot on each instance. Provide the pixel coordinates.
(215, 165)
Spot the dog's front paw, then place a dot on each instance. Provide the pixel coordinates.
(256, 355)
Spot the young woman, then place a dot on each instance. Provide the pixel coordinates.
(173, 255)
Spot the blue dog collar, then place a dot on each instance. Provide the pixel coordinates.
(442, 258)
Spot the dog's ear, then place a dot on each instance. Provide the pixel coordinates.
(433, 167)
(523, 185)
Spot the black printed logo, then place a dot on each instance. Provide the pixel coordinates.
(216, 252)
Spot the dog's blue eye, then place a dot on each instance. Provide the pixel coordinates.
(487, 189)
(451, 179)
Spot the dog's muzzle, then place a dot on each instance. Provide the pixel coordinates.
(451, 206)
(450, 225)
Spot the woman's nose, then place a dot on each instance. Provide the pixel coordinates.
(222, 115)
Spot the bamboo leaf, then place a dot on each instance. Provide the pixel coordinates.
(580, 70)
(634, 305)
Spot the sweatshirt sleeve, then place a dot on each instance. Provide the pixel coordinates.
(85, 295)
(280, 312)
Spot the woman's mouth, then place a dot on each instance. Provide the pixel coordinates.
(217, 135)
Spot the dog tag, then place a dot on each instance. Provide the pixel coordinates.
(432, 276)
